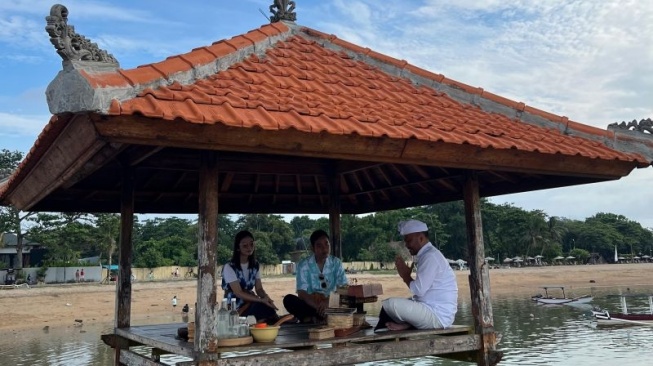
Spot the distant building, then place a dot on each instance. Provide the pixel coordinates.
(8, 255)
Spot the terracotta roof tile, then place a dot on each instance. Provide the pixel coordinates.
(299, 84)
(103, 80)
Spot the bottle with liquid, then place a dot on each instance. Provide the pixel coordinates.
(223, 321)
(234, 320)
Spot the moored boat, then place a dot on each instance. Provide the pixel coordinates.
(604, 317)
(551, 300)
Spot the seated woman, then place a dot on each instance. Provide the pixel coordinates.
(317, 277)
(241, 276)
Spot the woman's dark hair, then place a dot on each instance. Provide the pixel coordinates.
(235, 256)
(316, 235)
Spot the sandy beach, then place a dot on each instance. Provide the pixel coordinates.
(61, 305)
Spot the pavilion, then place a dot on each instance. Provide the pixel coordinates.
(287, 119)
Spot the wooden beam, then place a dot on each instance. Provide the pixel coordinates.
(130, 358)
(334, 213)
(206, 329)
(479, 278)
(124, 285)
(65, 159)
(107, 153)
(138, 154)
(140, 130)
(353, 353)
(226, 183)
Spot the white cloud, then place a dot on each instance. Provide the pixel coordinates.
(589, 60)
(628, 197)
(20, 125)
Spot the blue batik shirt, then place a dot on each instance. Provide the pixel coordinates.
(308, 275)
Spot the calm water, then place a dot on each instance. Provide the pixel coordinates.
(532, 335)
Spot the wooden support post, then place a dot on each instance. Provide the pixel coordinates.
(334, 213)
(124, 288)
(206, 329)
(479, 278)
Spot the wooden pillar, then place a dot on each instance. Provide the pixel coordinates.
(124, 286)
(479, 278)
(206, 329)
(334, 214)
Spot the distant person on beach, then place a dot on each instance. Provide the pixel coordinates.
(241, 279)
(434, 288)
(174, 301)
(317, 277)
(81, 275)
(150, 276)
(77, 276)
(185, 309)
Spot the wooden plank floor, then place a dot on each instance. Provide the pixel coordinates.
(291, 336)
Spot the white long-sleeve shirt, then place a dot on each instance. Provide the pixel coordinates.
(435, 284)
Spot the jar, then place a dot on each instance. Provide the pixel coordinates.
(243, 327)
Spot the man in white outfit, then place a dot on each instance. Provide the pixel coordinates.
(434, 288)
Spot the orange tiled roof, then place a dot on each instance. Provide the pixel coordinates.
(305, 82)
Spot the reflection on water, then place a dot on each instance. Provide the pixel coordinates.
(532, 335)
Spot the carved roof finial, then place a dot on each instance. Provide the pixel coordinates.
(643, 126)
(70, 45)
(283, 10)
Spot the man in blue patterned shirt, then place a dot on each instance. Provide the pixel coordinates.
(317, 276)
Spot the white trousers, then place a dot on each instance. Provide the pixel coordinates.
(412, 312)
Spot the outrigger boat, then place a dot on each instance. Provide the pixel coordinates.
(603, 317)
(550, 300)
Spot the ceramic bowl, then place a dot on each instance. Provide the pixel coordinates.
(264, 335)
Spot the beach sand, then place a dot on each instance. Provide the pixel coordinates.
(61, 305)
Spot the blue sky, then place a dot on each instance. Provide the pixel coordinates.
(589, 60)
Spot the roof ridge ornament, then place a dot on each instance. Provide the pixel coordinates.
(284, 11)
(70, 45)
(645, 125)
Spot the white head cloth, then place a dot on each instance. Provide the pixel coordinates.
(412, 226)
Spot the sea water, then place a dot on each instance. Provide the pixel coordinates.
(531, 335)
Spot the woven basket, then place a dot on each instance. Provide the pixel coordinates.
(323, 332)
(340, 321)
(359, 319)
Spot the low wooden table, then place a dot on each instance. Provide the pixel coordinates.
(356, 296)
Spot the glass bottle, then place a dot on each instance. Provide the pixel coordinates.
(223, 321)
(243, 330)
(234, 321)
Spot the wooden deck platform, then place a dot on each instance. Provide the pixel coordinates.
(293, 346)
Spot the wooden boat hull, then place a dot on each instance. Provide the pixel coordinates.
(562, 301)
(605, 318)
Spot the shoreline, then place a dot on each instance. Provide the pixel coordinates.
(49, 306)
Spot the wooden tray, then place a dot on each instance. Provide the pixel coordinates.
(340, 311)
(322, 332)
(346, 331)
(232, 342)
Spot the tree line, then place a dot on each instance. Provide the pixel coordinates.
(508, 231)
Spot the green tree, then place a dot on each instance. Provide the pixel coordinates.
(175, 238)
(106, 233)
(66, 235)
(581, 255)
(278, 232)
(535, 229)
(12, 219)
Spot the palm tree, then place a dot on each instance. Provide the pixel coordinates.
(535, 226)
(554, 232)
